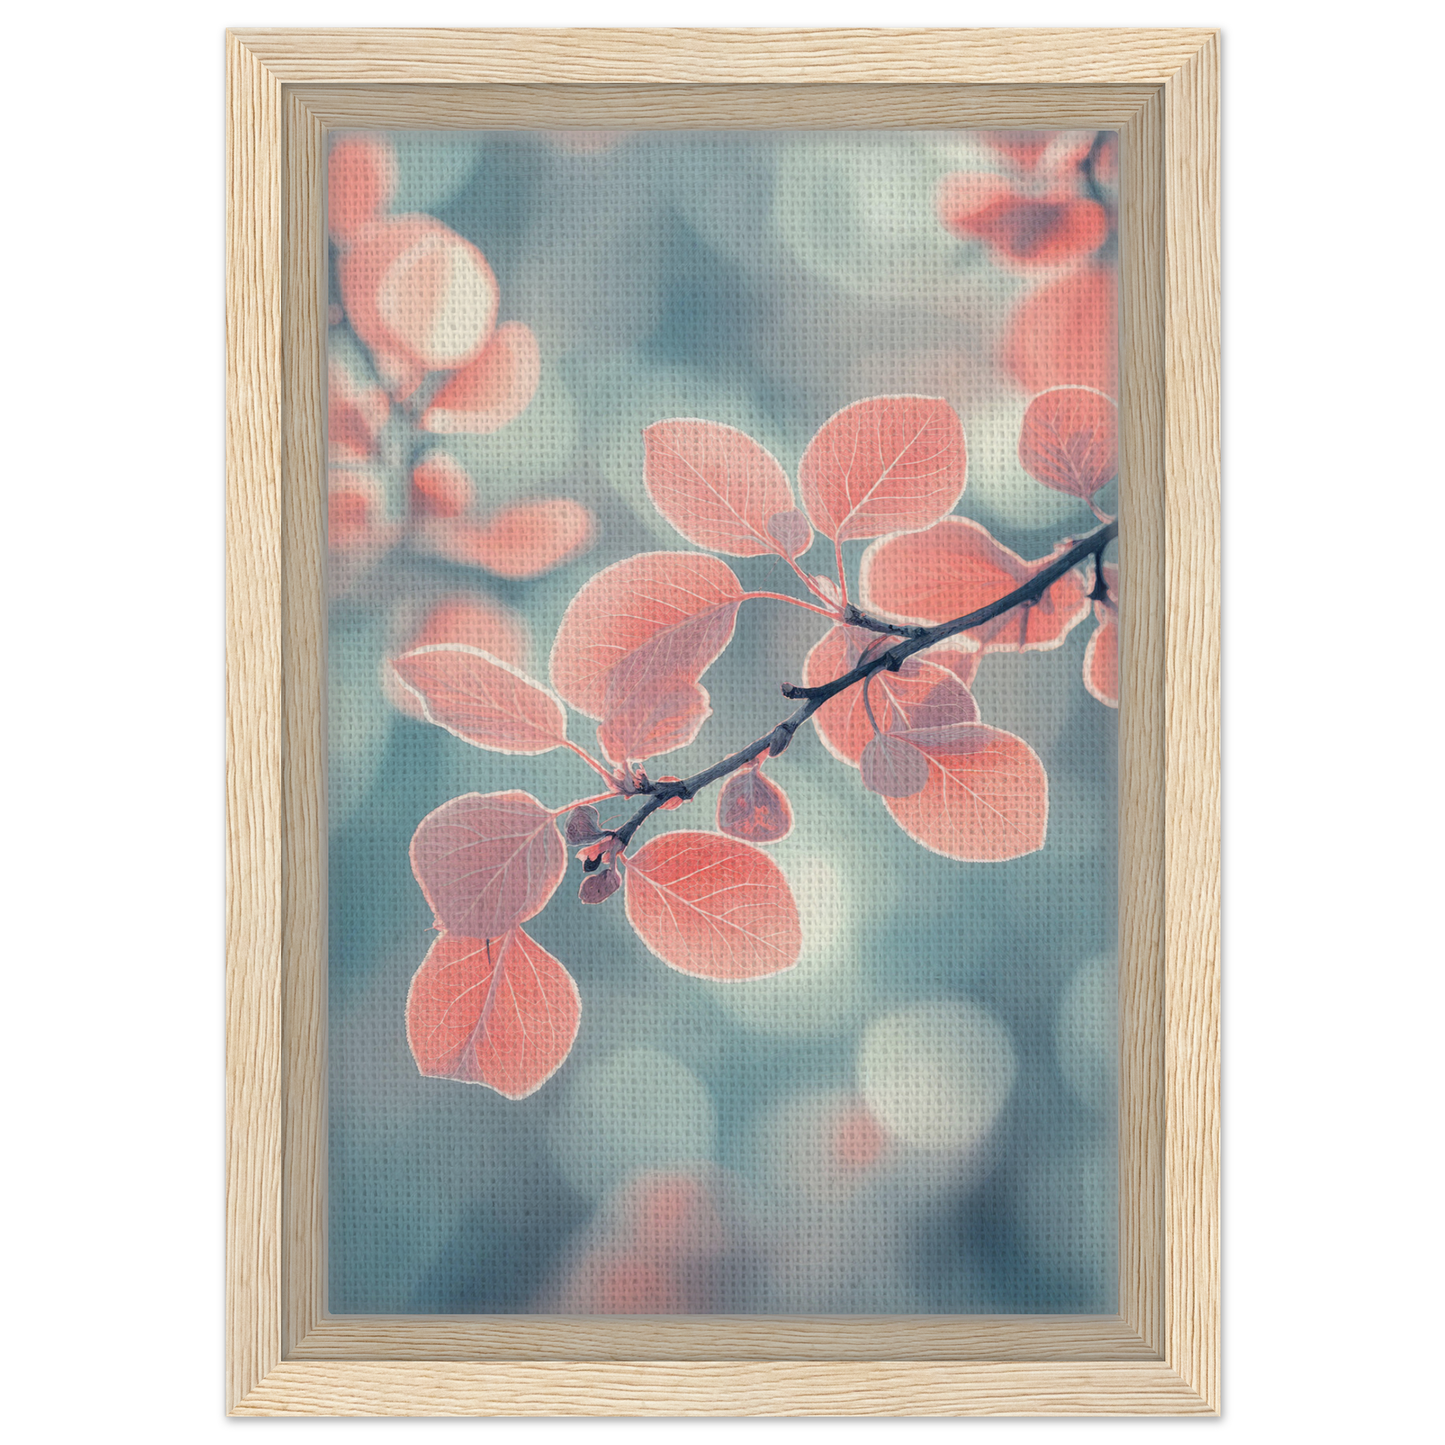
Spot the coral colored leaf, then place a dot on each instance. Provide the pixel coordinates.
(892, 464)
(355, 414)
(1027, 230)
(583, 825)
(353, 511)
(488, 861)
(842, 722)
(1034, 232)
(1070, 440)
(634, 641)
(947, 703)
(492, 389)
(600, 886)
(956, 568)
(483, 700)
(751, 806)
(713, 906)
(965, 194)
(791, 531)
(986, 798)
(501, 1012)
(718, 487)
(1067, 334)
(475, 622)
(893, 767)
(519, 542)
(1101, 656)
(1101, 662)
(360, 180)
(646, 724)
(417, 294)
(1023, 147)
(441, 486)
(950, 653)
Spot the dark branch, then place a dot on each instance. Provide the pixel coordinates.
(854, 618)
(926, 637)
(915, 639)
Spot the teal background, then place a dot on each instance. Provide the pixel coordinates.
(762, 280)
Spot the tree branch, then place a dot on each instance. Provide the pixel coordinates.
(915, 639)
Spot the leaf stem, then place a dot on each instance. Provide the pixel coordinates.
(591, 763)
(806, 580)
(796, 601)
(584, 803)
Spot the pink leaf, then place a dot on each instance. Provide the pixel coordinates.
(354, 520)
(1023, 147)
(892, 464)
(950, 653)
(842, 722)
(492, 389)
(986, 798)
(355, 414)
(1101, 656)
(1070, 440)
(751, 806)
(487, 862)
(790, 530)
(583, 825)
(893, 767)
(1067, 334)
(477, 622)
(600, 886)
(1027, 230)
(635, 640)
(712, 906)
(719, 488)
(522, 541)
(646, 725)
(441, 486)
(483, 700)
(965, 194)
(502, 1013)
(946, 703)
(474, 621)
(360, 180)
(956, 568)
(417, 294)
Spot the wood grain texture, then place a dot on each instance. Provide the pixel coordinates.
(303, 641)
(286, 1356)
(1191, 858)
(727, 1337)
(253, 723)
(724, 57)
(1141, 726)
(730, 1387)
(732, 107)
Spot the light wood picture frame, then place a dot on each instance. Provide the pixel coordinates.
(1160, 1354)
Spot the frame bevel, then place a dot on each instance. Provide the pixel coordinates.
(285, 1355)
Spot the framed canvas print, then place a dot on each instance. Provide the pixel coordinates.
(723, 778)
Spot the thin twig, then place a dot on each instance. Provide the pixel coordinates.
(919, 639)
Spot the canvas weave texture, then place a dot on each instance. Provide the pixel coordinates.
(723, 683)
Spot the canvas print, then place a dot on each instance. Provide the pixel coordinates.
(723, 672)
